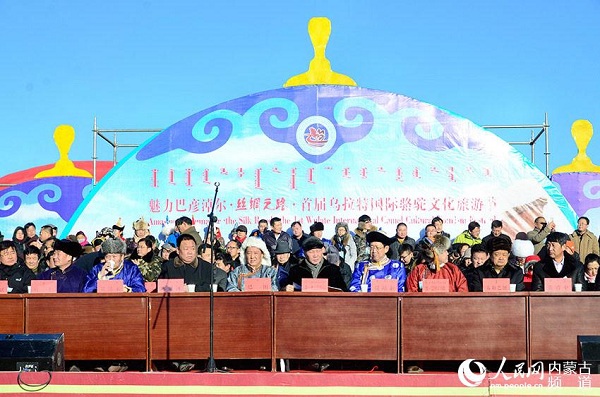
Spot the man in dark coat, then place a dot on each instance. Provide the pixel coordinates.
(69, 277)
(13, 269)
(315, 266)
(557, 264)
(497, 265)
(187, 265)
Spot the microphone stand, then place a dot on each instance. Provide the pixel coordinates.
(211, 366)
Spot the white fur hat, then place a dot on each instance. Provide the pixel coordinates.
(258, 243)
(522, 248)
(168, 229)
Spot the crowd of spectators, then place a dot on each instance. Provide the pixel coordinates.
(350, 259)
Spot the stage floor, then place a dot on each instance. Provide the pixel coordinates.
(130, 384)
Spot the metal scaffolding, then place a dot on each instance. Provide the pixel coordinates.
(544, 130)
(114, 142)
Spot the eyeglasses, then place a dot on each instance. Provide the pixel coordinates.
(376, 247)
(404, 258)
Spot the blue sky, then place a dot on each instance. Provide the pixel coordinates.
(148, 64)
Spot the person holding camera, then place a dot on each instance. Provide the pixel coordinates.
(539, 233)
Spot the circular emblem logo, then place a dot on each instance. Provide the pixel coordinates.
(467, 377)
(316, 135)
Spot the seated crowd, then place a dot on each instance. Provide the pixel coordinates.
(349, 260)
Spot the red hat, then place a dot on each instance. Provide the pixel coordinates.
(532, 258)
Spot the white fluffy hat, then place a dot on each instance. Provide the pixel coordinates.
(522, 248)
(258, 243)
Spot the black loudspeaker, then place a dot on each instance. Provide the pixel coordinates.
(588, 351)
(32, 352)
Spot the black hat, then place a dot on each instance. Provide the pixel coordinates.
(312, 243)
(364, 218)
(500, 244)
(378, 237)
(242, 228)
(282, 247)
(316, 227)
(68, 247)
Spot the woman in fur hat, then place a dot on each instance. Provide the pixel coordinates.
(141, 229)
(343, 241)
(433, 264)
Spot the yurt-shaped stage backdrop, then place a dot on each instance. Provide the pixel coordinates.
(326, 153)
(320, 149)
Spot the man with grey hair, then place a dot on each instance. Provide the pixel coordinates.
(433, 264)
(114, 266)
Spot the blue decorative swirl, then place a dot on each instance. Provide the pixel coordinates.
(60, 195)
(349, 119)
(279, 113)
(13, 200)
(434, 130)
(351, 111)
(201, 133)
(355, 118)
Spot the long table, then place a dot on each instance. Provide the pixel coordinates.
(344, 326)
(179, 326)
(12, 320)
(96, 326)
(336, 326)
(557, 319)
(467, 325)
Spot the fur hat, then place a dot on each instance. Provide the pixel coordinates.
(167, 229)
(499, 244)
(141, 224)
(341, 224)
(69, 247)
(114, 246)
(440, 243)
(364, 218)
(315, 227)
(312, 243)
(282, 247)
(522, 248)
(106, 232)
(119, 225)
(258, 243)
(333, 255)
(376, 236)
(168, 247)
